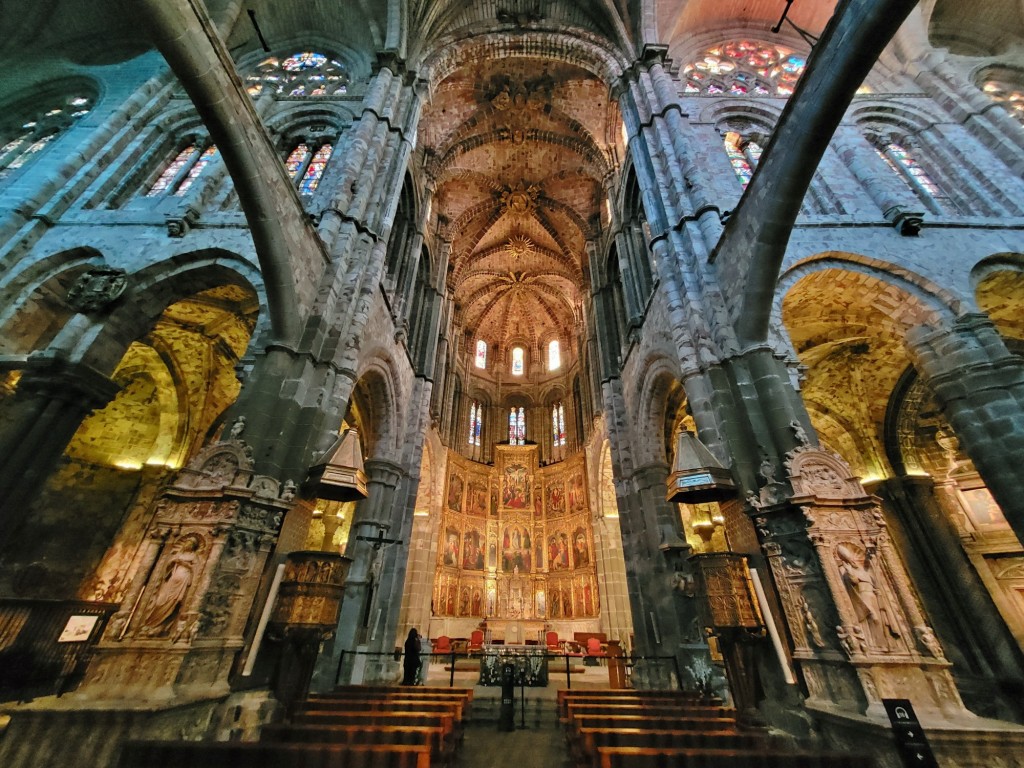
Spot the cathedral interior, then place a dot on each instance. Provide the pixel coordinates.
(692, 325)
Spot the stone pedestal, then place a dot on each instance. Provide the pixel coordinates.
(183, 618)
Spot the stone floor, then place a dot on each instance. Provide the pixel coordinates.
(538, 741)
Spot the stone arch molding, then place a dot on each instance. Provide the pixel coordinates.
(582, 49)
(935, 300)
(378, 396)
(657, 374)
(999, 262)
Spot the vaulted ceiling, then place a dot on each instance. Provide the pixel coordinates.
(518, 149)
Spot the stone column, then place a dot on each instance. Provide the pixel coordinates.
(980, 386)
(38, 421)
(382, 479)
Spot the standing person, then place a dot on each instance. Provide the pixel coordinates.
(411, 663)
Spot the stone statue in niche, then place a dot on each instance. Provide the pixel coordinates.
(170, 596)
(859, 579)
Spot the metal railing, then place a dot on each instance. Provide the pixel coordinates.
(627, 671)
(45, 644)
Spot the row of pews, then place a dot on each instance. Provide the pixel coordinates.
(672, 729)
(353, 727)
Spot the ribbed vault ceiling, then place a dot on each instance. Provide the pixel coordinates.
(518, 148)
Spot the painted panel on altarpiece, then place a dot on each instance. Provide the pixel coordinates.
(456, 485)
(476, 502)
(516, 549)
(473, 548)
(516, 487)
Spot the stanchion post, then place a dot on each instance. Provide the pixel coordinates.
(451, 677)
(568, 675)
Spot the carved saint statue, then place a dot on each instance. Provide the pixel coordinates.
(859, 579)
(178, 574)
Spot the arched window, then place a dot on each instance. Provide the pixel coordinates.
(481, 353)
(27, 133)
(905, 165)
(518, 361)
(517, 426)
(744, 155)
(306, 73)
(306, 165)
(554, 355)
(557, 424)
(745, 68)
(476, 417)
(1004, 87)
(181, 172)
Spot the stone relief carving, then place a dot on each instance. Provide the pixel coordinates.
(96, 289)
(237, 428)
(878, 621)
(810, 623)
(178, 572)
(814, 472)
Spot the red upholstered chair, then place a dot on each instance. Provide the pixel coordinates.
(476, 640)
(443, 644)
(594, 647)
(551, 638)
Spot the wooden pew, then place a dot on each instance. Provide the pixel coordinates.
(332, 701)
(653, 722)
(457, 708)
(622, 695)
(590, 739)
(446, 720)
(642, 757)
(680, 710)
(239, 754)
(439, 740)
(348, 689)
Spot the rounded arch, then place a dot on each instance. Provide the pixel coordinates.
(657, 405)
(998, 284)
(847, 317)
(377, 406)
(937, 302)
(583, 49)
(153, 289)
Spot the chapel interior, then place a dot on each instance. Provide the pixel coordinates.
(686, 330)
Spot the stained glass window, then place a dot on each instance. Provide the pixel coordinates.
(182, 171)
(558, 424)
(200, 165)
(306, 73)
(736, 157)
(311, 178)
(1006, 93)
(475, 423)
(297, 160)
(481, 353)
(903, 164)
(554, 356)
(25, 134)
(517, 426)
(745, 68)
(518, 361)
(170, 173)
